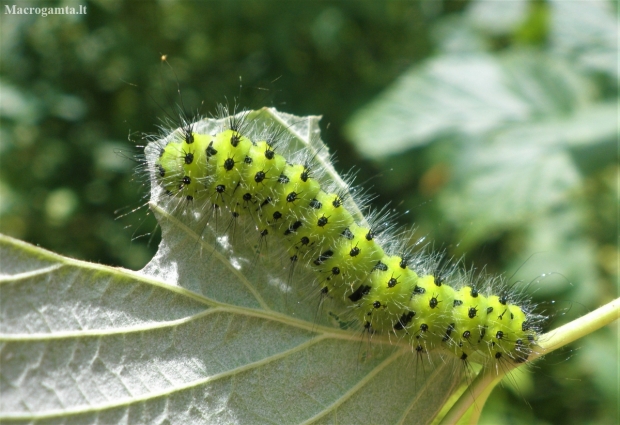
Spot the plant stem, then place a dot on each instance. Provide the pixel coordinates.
(578, 328)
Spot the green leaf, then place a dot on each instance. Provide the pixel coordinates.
(469, 95)
(449, 94)
(503, 184)
(586, 32)
(208, 332)
(527, 171)
(507, 171)
(497, 17)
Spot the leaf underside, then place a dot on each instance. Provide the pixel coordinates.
(213, 330)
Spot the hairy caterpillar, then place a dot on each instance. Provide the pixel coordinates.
(243, 170)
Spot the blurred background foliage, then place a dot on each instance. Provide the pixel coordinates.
(491, 125)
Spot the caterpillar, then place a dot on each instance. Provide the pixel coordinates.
(239, 168)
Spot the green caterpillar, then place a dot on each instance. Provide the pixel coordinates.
(240, 171)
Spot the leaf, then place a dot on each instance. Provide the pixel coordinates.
(526, 172)
(448, 94)
(206, 333)
(498, 17)
(507, 170)
(501, 185)
(586, 32)
(470, 95)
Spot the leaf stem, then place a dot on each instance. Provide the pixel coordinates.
(578, 328)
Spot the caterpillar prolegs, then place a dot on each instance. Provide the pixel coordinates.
(243, 169)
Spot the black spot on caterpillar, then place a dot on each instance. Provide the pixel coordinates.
(243, 170)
